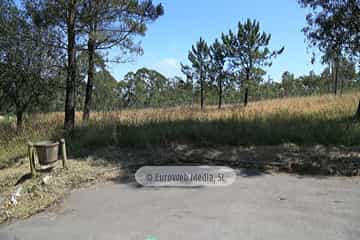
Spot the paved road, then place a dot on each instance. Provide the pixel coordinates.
(270, 207)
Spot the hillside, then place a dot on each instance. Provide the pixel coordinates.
(326, 120)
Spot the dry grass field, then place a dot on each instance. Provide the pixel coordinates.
(326, 120)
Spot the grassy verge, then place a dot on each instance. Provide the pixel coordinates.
(35, 195)
(118, 164)
(325, 120)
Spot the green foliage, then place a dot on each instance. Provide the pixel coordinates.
(236, 60)
(217, 72)
(149, 88)
(106, 97)
(199, 56)
(114, 23)
(248, 50)
(144, 88)
(27, 62)
(333, 26)
(35, 72)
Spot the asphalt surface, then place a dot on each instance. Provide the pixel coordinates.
(270, 207)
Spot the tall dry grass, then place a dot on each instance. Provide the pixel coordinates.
(304, 120)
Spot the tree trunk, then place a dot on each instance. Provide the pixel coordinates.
(341, 86)
(330, 79)
(246, 97)
(332, 76)
(90, 80)
(201, 93)
(70, 100)
(220, 93)
(357, 115)
(19, 120)
(336, 77)
(246, 88)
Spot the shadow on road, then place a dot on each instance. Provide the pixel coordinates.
(255, 161)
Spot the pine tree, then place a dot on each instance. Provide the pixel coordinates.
(248, 50)
(110, 23)
(199, 56)
(217, 64)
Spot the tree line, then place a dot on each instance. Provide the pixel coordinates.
(333, 27)
(42, 42)
(53, 58)
(237, 58)
(149, 88)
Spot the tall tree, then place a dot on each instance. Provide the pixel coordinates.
(180, 91)
(200, 58)
(133, 90)
(110, 23)
(217, 64)
(144, 88)
(64, 16)
(248, 50)
(26, 63)
(347, 72)
(106, 96)
(155, 86)
(70, 99)
(334, 27)
(288, 84)
(332, 57)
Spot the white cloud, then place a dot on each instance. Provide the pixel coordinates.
(170, 67)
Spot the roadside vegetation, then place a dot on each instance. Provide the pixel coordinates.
(23, 196)
(326, 120)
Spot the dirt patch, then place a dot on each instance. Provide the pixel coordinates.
(23, 195)
(290, 158)
(318, 160)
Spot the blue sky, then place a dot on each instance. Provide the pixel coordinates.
(169, 39)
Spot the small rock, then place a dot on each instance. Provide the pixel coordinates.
(282, 199)
(212, 154)
(180, 147)
(15, 194)
(91, 178)
(46, 180)
(333, 155)
(319, 150)
(18, 191)
(292, 147)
